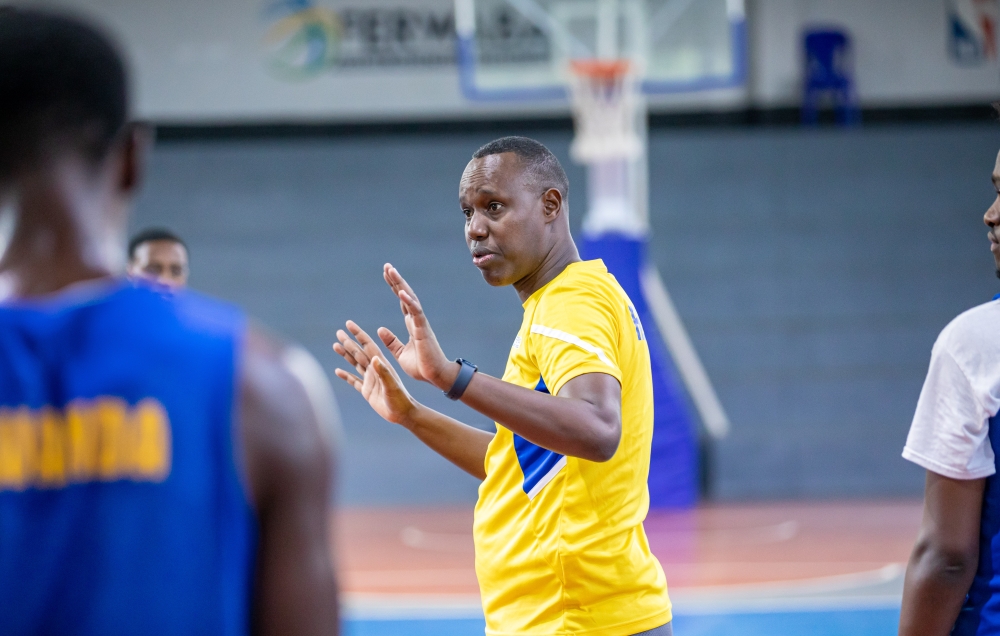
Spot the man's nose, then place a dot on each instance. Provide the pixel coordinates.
(992, 216)
(477, 228)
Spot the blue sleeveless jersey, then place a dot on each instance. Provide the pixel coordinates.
(980, 613)
(122, 510)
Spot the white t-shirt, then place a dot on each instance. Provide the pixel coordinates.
(949, 434)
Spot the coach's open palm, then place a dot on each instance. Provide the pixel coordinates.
(378, 384)
(422, 357)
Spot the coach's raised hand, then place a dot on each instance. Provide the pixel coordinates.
(422, 357)
(378, 384)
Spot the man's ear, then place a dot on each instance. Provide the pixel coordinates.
(552, 204)
(137, 141)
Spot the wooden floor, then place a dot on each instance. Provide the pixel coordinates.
(407, 552)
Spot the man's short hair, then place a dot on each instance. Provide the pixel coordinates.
(538, 160)
(62, 82)
(153, 234)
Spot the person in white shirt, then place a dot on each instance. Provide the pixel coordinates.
(952, 581)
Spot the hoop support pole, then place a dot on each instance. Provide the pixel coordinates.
(689, 365)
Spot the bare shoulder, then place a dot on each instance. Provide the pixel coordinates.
(288, 416)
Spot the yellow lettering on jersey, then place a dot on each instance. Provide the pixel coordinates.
(18, 449)
(82, 428)
(151, 445)
(52, 455)
(90, 440)
(114, 442)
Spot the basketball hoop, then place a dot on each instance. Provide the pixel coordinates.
(607, 55)
(606, 110)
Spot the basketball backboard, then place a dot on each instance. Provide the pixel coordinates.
(521, 49)
(603, 54)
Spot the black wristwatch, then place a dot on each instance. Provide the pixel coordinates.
(462, 381)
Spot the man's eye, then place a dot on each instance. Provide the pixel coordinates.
(494, 206)
(467, 213)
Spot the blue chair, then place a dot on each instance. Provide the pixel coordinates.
(829, 74)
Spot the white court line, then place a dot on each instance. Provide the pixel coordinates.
(411, 606)
(838, 592)
(431, 608)
(818, 585)
(683, 607)
(829, 593)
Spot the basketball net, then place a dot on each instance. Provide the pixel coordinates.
(608, 114)
(606, 100)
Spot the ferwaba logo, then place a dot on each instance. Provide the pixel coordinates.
(305, 38)
(302, 40)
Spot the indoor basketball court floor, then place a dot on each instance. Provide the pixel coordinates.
(817, 569)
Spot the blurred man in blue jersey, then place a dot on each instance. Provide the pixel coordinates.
(164, 468)
(953, 578)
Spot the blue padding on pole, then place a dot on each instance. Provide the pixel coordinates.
(673, 467)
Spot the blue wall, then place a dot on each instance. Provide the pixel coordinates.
(814, 269)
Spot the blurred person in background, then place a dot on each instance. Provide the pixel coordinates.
(159, 255)
(164, 467)
(953, 578)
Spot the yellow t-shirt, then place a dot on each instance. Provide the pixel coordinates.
(560, 547)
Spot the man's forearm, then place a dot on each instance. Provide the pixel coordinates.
(566, 425)
(933, 592)
(945, 557)
(461, 444)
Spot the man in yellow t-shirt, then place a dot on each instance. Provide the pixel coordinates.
(560, 547)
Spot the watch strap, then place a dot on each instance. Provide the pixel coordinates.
(465, 374)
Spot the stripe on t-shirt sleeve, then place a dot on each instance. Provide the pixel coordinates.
(571, 339)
